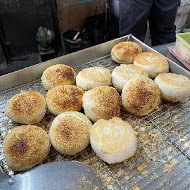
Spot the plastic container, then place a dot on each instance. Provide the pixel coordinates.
(182, 45)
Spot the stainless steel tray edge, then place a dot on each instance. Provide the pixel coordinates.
(145, 181)
(34, 72)
(74, 59)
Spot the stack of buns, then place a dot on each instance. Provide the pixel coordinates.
(111, 138)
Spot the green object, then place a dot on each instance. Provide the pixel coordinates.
(182, 46)
(45, 38)
(185, 37)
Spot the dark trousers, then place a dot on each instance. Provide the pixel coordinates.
(160, 13)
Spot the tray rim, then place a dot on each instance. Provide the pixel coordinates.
(132, 38)
(34, 72)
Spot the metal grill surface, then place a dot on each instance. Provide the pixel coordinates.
(173, 119)
(162, 158)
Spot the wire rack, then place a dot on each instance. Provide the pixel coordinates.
(173, 120)
(162, 157)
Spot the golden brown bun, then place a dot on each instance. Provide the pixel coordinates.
(113, 140)
(70, 132)
(91, 77)
(27, 107)
(125, 52)
(124, 73)
(174, 87)
(101, 102)
(26, 146)
(140, 96)
(152, 62)
(64, 98)
(58, 75)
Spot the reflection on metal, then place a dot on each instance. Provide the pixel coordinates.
(75, 59)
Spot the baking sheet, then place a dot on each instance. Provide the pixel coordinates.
(159, 163)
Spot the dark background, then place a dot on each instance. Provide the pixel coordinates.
(19, 22)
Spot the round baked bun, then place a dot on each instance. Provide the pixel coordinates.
(101, 102)
(125, 52)
(140, 96)
(174, 87)
(58, 75)
(70, 132)
(27, 107)
(26, 146)
(64, 98)
(91, 77)
(124, 73)
(113, 140)
(152, 62)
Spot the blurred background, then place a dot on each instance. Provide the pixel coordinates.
(33, 31)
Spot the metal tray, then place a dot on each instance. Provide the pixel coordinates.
(162, 158)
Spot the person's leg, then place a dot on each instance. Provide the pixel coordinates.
(161, 20)
(133, 17)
